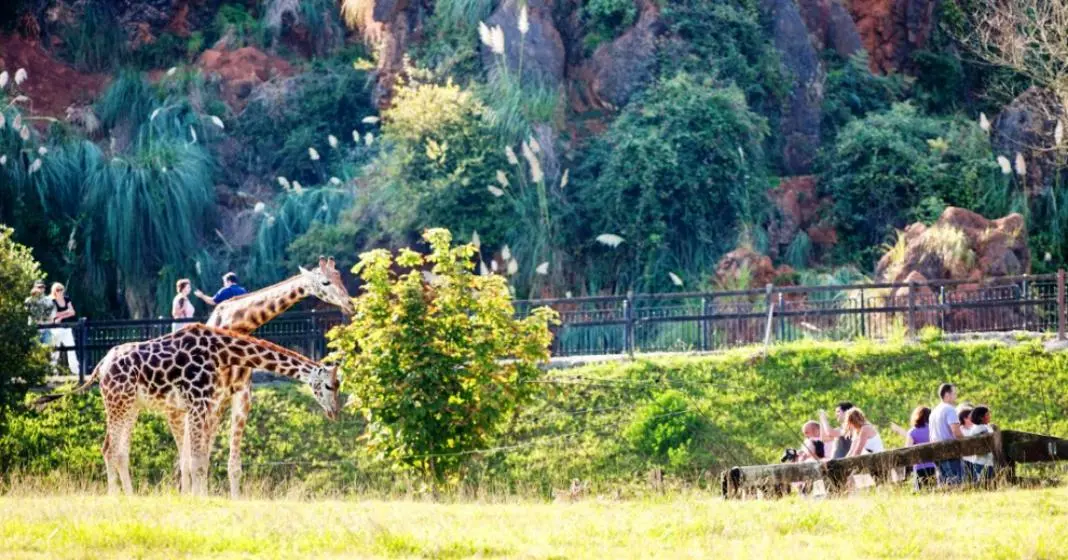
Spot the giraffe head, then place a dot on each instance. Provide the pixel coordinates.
(324, 385)
(325, 283)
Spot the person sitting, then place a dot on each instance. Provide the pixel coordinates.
(812, 448)
(982, 466)
(964, 416)
(924, 474)
(230, 289)
(837, 435)
(864, 436)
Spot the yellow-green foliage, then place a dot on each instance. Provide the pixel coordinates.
(437, 367)
(1012, 524)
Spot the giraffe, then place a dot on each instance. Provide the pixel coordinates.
(244, 314)
(186, 371)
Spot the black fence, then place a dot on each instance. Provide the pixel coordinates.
(685, 322)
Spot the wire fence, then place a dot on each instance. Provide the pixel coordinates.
(702, 321)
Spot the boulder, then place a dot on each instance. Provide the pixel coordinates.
(1026, 126)
(241, 70)
(744, 268)
(800, 125)
(294, 28)
(799, 209)
(961, 245)
(542, 48)
(622, 67)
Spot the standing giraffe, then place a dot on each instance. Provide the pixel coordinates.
(187, 372)
(244, 314)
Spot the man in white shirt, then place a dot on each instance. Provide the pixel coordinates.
(945, 426)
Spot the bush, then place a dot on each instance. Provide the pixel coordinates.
(852, 91)
(25, 359)
(424, 360)
(678, 176)
(882, 167)
(605, 19)
(664, 430)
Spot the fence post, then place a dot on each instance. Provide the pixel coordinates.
(1025, 310)
(1060, 304)
(628, 326)
(770, 304)
(942, 307)
(863, 316)
(81, 341)
(706, 312)
(315, 338)
(912, 305)
(782, 318)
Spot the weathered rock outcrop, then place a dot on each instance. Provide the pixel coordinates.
(798, 209)
(543, 54)
(53, 86)
(619, 69)
(800, 126)
(961, 245)
(744, 267)
(830, 26)
(892, 30)
(241, 70)
(1026, 126)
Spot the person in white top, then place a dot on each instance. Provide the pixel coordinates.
(181, 308)
(863, 434)
(982, 466)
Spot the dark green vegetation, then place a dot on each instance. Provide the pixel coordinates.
(25, 361)
(605, 424)
(171, 171)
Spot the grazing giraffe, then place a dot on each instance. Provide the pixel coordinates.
(186, 371)
(244, 314)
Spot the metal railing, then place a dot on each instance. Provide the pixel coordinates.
(706, 321)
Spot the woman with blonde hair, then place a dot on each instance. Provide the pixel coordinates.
(63, 337)
(864, 435)
(181, 308)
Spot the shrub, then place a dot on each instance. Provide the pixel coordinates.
(664, 430)
(25, 359)
(678, 176)
(852, 91)
(883, 166)
(604, 20)
(424, 360)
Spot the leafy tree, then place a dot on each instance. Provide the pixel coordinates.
(436, 366)
(882, 167)
(25, 359)
(678, 175)
(852, 91)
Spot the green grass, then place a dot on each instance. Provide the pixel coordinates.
(1010, 524)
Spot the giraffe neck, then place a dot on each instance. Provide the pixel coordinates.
(239, 351)
(252, 311)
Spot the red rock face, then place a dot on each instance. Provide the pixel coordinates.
(241, 70)
(892, 29)
(52, 86)
(799, 208)
(734, 266)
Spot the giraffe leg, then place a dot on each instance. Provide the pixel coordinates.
(238, 417)
(176, 421)
(120, 449)
(121, 415)
(198, 424)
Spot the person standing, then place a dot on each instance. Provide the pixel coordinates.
(945, 426)
(181, 307)
(230, 289)
(63, 337)
(41, 311)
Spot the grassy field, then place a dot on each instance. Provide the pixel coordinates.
(1009, 524)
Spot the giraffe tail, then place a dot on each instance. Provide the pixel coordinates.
(43, 402)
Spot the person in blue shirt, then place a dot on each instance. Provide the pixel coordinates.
(229, 290)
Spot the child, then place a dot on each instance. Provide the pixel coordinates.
(812, 445)
(964, 415)
(982, 466)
